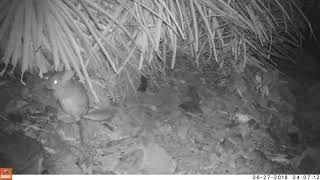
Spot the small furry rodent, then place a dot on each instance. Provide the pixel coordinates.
(70, 93)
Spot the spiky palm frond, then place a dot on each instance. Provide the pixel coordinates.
(121, 38)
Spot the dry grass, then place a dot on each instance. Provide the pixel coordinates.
(117, 40)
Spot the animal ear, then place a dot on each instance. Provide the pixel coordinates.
(67, 75)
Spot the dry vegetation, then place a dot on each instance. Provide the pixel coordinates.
(109, 43)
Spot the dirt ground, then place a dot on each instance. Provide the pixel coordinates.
(207, 121)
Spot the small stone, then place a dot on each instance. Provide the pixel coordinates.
(157, 160)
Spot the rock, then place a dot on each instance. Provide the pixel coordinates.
(157, 161)
(148, 158)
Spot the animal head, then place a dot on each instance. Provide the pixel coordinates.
(59, 79)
